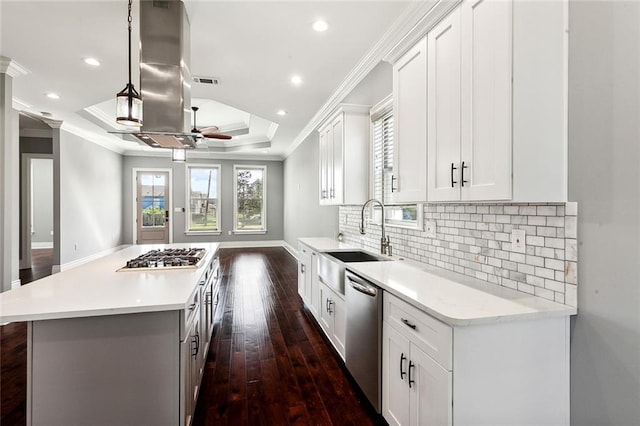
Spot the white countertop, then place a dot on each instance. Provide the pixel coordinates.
(453, 298)
(96, 288)
(325, 244)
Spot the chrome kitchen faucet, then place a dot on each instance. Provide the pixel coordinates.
(385, 244)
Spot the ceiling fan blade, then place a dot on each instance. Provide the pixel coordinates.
(216, 136)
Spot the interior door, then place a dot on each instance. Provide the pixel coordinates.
(152, 207)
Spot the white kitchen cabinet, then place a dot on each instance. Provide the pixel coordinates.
(469, 103)
(410, 121)
(417, 390)
(304, 272)
(308, 280)
(433, 373)
(333, 317)
(344, 156)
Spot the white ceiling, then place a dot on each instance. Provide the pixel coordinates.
(253, 47)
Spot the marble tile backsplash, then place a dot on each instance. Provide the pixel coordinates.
(475, 240)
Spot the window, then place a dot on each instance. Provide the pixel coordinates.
(203, 199)
(250, 199)
(409, 215)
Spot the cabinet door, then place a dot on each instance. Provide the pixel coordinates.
(395, 388)
(486, 99)
(304, 260)
(410, 117)
(443, 116)
(314, 301)
(324, 166)
(336, 192)
(431, 391)
(325, 315)
(339, 324)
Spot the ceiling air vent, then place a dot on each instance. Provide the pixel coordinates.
(207, 80)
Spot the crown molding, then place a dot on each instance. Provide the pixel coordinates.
(104, 142)
(11, 68)
(402, 26)
(427, 21)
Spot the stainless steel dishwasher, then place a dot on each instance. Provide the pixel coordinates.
(363, 345)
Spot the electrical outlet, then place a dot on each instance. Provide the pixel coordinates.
(518, 240)
(430, 228)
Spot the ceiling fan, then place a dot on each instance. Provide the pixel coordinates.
(207, 132)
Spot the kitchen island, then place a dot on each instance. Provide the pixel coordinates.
(112, 347)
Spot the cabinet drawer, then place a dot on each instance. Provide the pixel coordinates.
(429, 334)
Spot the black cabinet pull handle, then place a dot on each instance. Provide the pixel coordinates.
(462, 181)
(453, 182)
(402, 360)
(411, 365)
(393, 188)
(408, 324)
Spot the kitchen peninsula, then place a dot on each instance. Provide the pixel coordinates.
(116, 347)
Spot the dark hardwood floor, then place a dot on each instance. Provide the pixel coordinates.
(13, 350)
(268, 363)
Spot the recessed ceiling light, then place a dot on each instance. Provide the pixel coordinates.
(320, 26)
(282, 112)
(91, 61)
(52, 95)
(296, 80)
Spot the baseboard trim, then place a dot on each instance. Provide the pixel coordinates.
(248, 244)
(15, 283)
(55, 269)
(87, 259)
(42, 245)
(288, 247)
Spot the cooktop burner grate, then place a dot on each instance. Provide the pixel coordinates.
(172, 258)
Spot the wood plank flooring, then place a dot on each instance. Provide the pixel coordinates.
(268, 363)
(13, 350)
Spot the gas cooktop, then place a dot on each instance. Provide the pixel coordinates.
(173, 258)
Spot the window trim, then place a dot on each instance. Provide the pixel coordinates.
(262, 167)
(189, 166)
(381, 111)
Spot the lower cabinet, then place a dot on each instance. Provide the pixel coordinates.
(308, 282)
(333, 317)
(493, 373)
(416, 390)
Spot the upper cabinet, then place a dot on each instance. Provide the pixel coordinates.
(344, 154)
(481, 103)
(469, 104)
(410, 114)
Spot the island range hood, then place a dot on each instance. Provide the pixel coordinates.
(165, 77)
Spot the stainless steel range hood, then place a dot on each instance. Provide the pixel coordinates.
(165, 77)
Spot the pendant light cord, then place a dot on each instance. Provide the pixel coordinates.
(129, 20)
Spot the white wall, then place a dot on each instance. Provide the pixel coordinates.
(42, 202)
(303, 215)
(604, 154)
(274, 198)
(90, 198)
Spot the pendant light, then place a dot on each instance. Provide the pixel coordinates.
(128, 101)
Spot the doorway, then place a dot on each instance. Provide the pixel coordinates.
(37, 193)
(152, 207)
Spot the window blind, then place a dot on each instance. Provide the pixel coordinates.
(383, 158)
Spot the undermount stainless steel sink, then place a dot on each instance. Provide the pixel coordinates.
(355, 256)
(331, 265)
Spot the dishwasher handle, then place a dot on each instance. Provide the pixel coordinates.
(362, 286)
